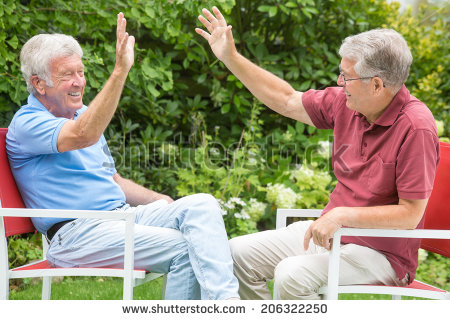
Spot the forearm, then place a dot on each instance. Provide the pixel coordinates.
(400, 216)
(136, 194)
(265, 86)
(405, 215)
(93, 122)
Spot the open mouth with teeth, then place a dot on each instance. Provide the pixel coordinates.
(74, 94)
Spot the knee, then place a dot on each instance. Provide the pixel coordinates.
(239, 252)
(203, 201)
(289, 280)
(282, 277)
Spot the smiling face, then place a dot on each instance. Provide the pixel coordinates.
(66, 95)
(357, 91)
(370, 97)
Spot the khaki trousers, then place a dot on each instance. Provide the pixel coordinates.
(298, 274)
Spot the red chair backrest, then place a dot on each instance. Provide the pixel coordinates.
(437, 215)
(9, 194)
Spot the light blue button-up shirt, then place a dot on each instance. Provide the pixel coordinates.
(80, 179)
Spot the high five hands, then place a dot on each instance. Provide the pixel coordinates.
(220, 37)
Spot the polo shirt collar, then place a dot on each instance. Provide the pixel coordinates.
(32, 100)
(391, 113)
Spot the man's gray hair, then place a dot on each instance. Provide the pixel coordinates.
(39, 51)
(380, 52)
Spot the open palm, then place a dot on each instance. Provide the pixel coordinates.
(219, 37)
(124, 45)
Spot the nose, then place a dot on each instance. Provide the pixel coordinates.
(340, 80)
(78, 80)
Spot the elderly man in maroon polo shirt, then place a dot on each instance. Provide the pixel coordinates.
(385, 155)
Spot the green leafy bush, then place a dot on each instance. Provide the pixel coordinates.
(428, 37)
(23, 249)
(433, 269)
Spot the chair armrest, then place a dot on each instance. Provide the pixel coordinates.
(333, 266)
(56, 213)
(283, 214)
(394, 233)
(129, 218)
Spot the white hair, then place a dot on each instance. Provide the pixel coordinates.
(38, 53)
(381, 52)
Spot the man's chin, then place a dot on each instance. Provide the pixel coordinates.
(77, 105)
(349, 105)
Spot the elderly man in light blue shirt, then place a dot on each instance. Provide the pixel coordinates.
(61, 160)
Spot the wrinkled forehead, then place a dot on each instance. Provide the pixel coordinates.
(64, 63)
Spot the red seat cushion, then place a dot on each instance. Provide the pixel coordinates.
(37, 266)
(46, 265)
(423, 286)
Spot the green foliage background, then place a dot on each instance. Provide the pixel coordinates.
(185, 124)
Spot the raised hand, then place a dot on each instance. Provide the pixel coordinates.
(220, 37)
(124, 46)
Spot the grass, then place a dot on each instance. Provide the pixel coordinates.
(89, 288)
(100, 288)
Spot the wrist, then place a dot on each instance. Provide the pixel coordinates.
(338, 215)
(120, 73)
(231, 58)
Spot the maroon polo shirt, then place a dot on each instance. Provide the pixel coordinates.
(376, 164)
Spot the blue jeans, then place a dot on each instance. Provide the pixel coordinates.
(185, 239)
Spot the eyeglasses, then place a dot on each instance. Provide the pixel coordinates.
(341, 74)
(346, 80)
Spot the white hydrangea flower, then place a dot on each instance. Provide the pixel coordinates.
(229, 205)
(422, 255)
(302, 174)
(281, 196)
(237, 201)
(242, 215)
(255, 209)
(325, 149)
(234, 206)
(306, 171)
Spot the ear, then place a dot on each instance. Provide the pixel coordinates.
(38, 84)
(378, 85)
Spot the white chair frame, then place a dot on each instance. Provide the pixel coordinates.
(131, 277)
(332, 290)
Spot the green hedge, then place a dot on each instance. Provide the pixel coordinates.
(185, 124)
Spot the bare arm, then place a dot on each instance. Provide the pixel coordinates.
(274, 92)
(136, 194)
(88, 128)
(405, 215)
